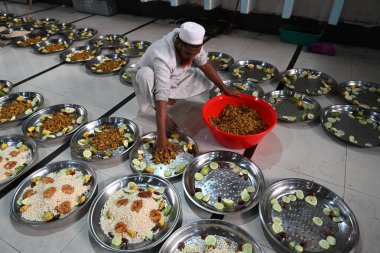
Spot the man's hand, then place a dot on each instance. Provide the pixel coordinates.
(230, 92)
(162, 145)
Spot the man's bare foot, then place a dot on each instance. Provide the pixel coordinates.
(170, 124)
(171, 101)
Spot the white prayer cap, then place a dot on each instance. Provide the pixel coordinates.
(192, 33)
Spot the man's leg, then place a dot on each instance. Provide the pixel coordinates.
(143, 84)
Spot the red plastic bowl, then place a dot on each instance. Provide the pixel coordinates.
(235, 141)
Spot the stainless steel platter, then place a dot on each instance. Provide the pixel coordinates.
(20, 21)
(27, 40)
(223, 182)
(12, 32)
(108, 41)
(80, 33)
(5, 87)
(127, 73)
(361, 93)
(58, 167)
(133, 49)
(301, 215)
(220, 61)
(96, 61)
(193, 235)
(292, 106)
(36, 103)
(143, 181)
(254, 71)
(14, 140)
(34, 125)
(81, 141)
(67, 54)
(3, 27)
(42, 22)
(242, 86)
(41, 47)
(141, 156)
(4, 17)
(308, 81)
(54, 29)
(352, 124)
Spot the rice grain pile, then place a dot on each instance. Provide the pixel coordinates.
(12, 157)
(240, 120)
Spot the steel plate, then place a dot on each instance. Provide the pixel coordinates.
(27, 96)
(20, 21)
(108, 41)
(4, 17)
(61, 40)
(223, 182)
(297, 217)
(51, 168)
(30, 143)
(352, 124)
(176, 166)
(61, 28)
(96, 60)
(191, 234)
(35, 120)
(256, 74)
(292, 106)
(80, 33)
(361, 93)
(5, 87)
(19, 41)
(133, 49)
(94, 50)
(242, 86)
(142, 180)
(127, 73)
(77, 149)
(220, 61)
(308, 81)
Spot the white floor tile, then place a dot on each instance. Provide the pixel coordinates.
(5, 248)
(65, 14)
(23, 9)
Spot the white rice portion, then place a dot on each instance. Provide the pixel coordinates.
(23, 158)
(139, 222)
(14, 34)
(220, 247)
(40, 205)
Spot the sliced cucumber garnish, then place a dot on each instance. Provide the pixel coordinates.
(312, 200)
(318, 221)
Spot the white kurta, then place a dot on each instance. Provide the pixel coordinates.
(160, 76)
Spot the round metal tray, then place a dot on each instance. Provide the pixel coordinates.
(5, 35)
(36, 117)
(127, 73)
(242, 86)
(343, 121)
(142, 180)
(256, 74)
(19, 40)
(4, 17)
(308, 81)
(20, 21)
(30, 143)
(108, 41)
(192, 234)
(220, 61)
(77, 34)
(27, 96)
(96, 60)
(48, 21)
(94, 50)
(77, 149)
(54, 167)
(361, 93)
(292, 106)
(133, 49)
(297, 217)
(7, 85)
(39, 46)
(223, 182)
(180, 162)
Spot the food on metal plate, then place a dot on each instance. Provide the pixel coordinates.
(82, 34)
(238, 72)
(108, 64)
(81, 55)
(16, 33)
(240, 120)
(3, 89)
(31, 41)
(55, 195)
(135, 214)
(13, 159)
(352, 92)
(54, 47)
(17, 107)
(223, 62)
(325, 87)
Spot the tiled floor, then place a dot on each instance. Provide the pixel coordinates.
(289, 151)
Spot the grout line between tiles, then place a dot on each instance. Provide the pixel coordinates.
(72, 239)
(82, 18)
(345, 173)
(9, 245)
(38, 74)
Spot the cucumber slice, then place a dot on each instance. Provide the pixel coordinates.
(136, 161)
(336, 211)
(277, 220)
(236, 169)
(131, 185)
(205, 170)
(298, 248)
(87, 153)
(82, 142)
(326, 210)
(277, 228)
(274, 201)
(146, 146)
(206, 198)
(318, 221)
(199, 195)
(251, 189)
(214, 165)
(161, 189)
(219, 206)
(292, 245)
(150, 235)
(210, 240)
(167, 210)
(172, 165)
(277, 207)
(311, 200)
(337, 219)
(227, 202)
(247, 248)
(299, 194)
(245, 195)
(116, 240)
(324, 244)
(292, 198)
(286, 199)
(167, 173)
(198, 176)
(331, 240)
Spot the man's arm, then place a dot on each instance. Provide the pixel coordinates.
(161, 115)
